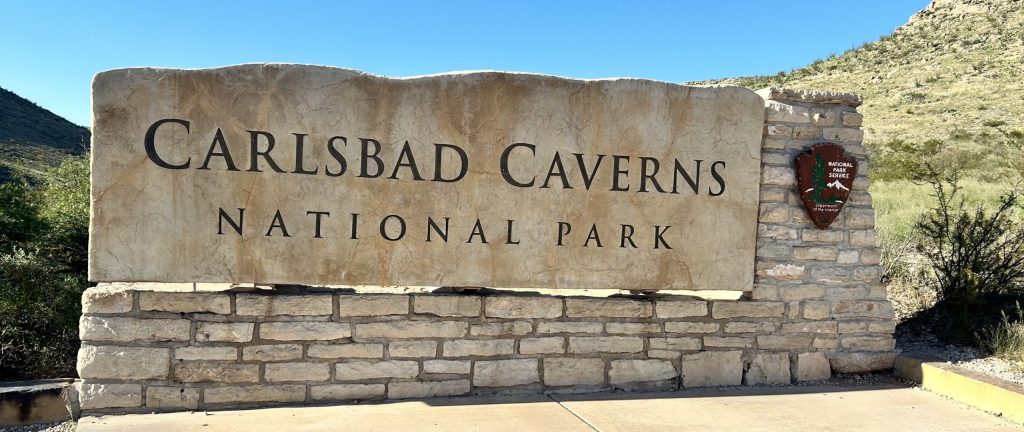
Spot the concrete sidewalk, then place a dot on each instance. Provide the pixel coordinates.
(826, 408)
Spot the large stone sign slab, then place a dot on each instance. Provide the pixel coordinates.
(295, 174)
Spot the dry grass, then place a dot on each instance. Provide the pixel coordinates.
(952, 73)
(1006, 340)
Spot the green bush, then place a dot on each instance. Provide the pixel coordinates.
(976, 257)
(43, 251)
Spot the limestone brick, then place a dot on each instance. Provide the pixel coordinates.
(608, 344)
(340, 392)
(304, 330)
(607, 308)
(504, 373)
(362, 369)
(425, 389)
(372, 305)
(632, 371)
(565, 371)
(218, 303)
(482, 348)
(295, 305)
(297, 371)
(411, 329)
(542, 345)
(447, 306)
(522, 307)
(712, 368)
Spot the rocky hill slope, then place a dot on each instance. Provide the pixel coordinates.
(954, 72)
(33, 138)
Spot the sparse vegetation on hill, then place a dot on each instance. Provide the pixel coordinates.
(952, 73)
(33, 139)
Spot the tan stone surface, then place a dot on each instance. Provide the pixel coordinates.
(360, 370)
(861, 361)
(160, 397)
(609, 344)
(224, 332)
(681, 309)
(446, 366)
(260, 305)
(483, 348)
(351, 350)
(425, 389)
(412, 349)
(99, 396)
(768, 368)
(573, 371)
(411, 329)
(628, 371)
(297, 371)
(111, 329)
(546, 327)
(712, 368)
(276, 352)
(374, 305)
(447, 306)
(123, 363)
(193, 372)
(255, 393)
(632, 328)
(346, 391)
(152, 223)
(503, 373)
(692, 327)
(812, 366)
(675, 343)
(185, 302)
(507, 328)
(106, 299)
(205, 353)
(522, 307)
(623, 308)
(542, 345)
(289, 331)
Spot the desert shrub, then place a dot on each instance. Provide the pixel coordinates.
(43, 245)
(39, 313)
(1006, 339)
(976, 257)
(904, 160)
(19, 214)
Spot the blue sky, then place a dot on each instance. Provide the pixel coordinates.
(49, 51)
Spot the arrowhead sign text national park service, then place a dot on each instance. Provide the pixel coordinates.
(825, 176)
(293, 174)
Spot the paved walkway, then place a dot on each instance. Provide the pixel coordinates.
(815, 408)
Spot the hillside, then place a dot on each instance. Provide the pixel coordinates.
(953, 73)
(33, 138)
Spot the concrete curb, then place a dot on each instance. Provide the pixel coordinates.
(42, 401)
(966, 386)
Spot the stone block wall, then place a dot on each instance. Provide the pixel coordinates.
(829, 280)
(817, 307)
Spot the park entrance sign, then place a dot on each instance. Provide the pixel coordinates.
(305, 175)
(289, 174)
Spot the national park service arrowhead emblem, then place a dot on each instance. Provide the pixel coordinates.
(825, 176)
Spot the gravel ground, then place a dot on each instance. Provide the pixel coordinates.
(927, 345)
(68, 426)
(908, 300)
